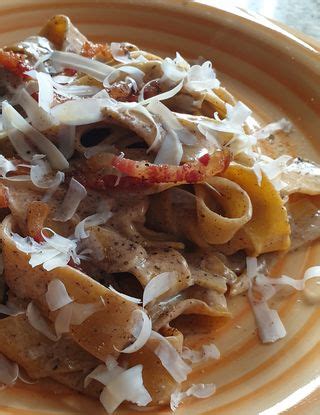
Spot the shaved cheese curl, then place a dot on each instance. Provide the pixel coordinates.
(272, 128)
(207, 352)
(37, 116)
(46, 93)
(81, 312)
(268, 321)
(91, 67)
(134, 72)
(141, 332)
(57, 295)
(164, 95)
(10, 310)
(38, 322)
(80, 112)
(169, 357)
(55, 251)
(55, 157)
(103, 374)
(252, 267)
(200, 391)
(127, 386)
(125, 296)
(310, 273)
(75, 194)
(41, 174)
(74, 314)
(66, 140)
(9, 371)
(159, 285)
(17, 139)
(63, 320)
(6, 166)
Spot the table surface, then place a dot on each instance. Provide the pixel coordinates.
(302, 15)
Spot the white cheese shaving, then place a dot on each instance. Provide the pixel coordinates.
(310, 273)
(269, 324)
(135, 73)
(40, 172)
(38, 322)
(9, 371)
(118, 52)
(141, 93)
(252, 267)
(159, 285)
(81, 312)
(272, 168)
(200, 391)
(233, 123)
(201, 78)
(10, 310)
(46, 93)
(170, 123)
(268, 321)
(75, 194)
(139, 109)
(104, 373)
(169, 357)
(175, 69)
(207, 352)
(82, 111)
(196, 78)
(126, 386)
(75, 91)
(101, 217)
(75, 314)
(141, 331)
(272, 128)
(6, 166)
(125, 296)
(170, 152)
(57, 295)
(55, 157)
(66, 140)
(63, 320)
(91, 67)
(64, 79)
(17, 139)
(164, 95)
(55, 251)
(37, 116)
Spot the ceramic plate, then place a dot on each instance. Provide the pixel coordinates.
(276, 73)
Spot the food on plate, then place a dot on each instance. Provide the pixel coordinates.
(135, 191)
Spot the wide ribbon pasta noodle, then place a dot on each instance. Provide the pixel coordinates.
(269, 229)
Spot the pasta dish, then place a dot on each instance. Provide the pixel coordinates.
(137, 196)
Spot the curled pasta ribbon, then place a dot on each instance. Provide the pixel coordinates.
(213, 215)
(269, 229)
(223, 207)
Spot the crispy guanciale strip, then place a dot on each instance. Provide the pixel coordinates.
(101, 182)
(197, 171)
(16, 63)
(92, 50)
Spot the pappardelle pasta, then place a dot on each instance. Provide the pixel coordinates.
(135, 193)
